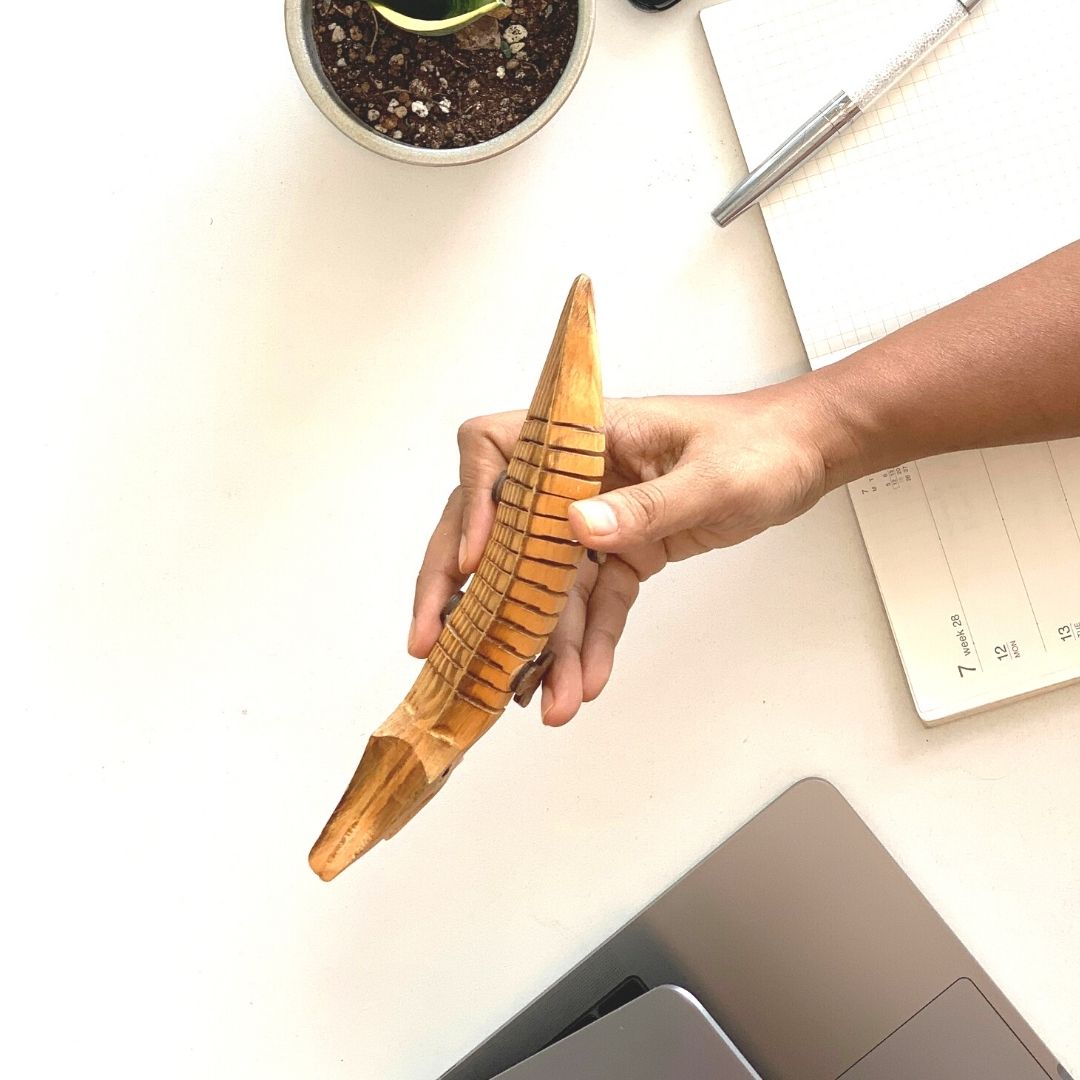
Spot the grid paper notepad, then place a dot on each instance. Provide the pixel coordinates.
(967, 170)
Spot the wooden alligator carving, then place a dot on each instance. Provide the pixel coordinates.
(492, 646)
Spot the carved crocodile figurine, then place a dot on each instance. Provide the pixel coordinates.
(492, 645)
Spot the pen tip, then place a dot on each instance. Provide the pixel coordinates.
(727, 212)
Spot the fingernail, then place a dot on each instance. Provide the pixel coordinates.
(412, 634)
(599, 518)
(462, 551)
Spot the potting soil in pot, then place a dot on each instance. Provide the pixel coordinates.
(444, 92)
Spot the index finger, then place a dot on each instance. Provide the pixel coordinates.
(439, 577)
(485, 445)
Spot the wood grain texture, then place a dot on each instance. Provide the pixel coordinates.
(494, 635)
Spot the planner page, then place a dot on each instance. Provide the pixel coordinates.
(965, 171)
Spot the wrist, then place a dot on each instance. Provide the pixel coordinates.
(826, 417)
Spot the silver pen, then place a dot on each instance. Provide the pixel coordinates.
(844, 108)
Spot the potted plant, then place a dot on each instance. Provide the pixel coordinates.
(439, 82)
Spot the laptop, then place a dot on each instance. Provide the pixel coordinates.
(665, 1034)
(798, 946)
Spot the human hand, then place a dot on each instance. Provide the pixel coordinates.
(683, 475)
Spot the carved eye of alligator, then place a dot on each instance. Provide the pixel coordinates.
(493, 642)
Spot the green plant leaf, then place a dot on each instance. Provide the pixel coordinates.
(434, 18)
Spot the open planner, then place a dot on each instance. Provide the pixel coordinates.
(966, 171)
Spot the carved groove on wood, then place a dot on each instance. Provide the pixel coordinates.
(493, 637)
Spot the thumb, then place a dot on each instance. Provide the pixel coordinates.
(653, 510)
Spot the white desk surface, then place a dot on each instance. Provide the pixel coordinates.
(238, 351)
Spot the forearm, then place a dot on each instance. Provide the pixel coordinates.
(1001, 366)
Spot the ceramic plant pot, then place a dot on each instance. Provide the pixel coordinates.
(305, 56)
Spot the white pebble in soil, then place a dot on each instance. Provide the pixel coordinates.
(500, 72)
(515, 32)
(517, 47)
(444, 106)
(420, 109)
(337, 35)
(372, 115)
(401, 112)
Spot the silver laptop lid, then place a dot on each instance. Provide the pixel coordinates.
(808, 945)
(663, 1035)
